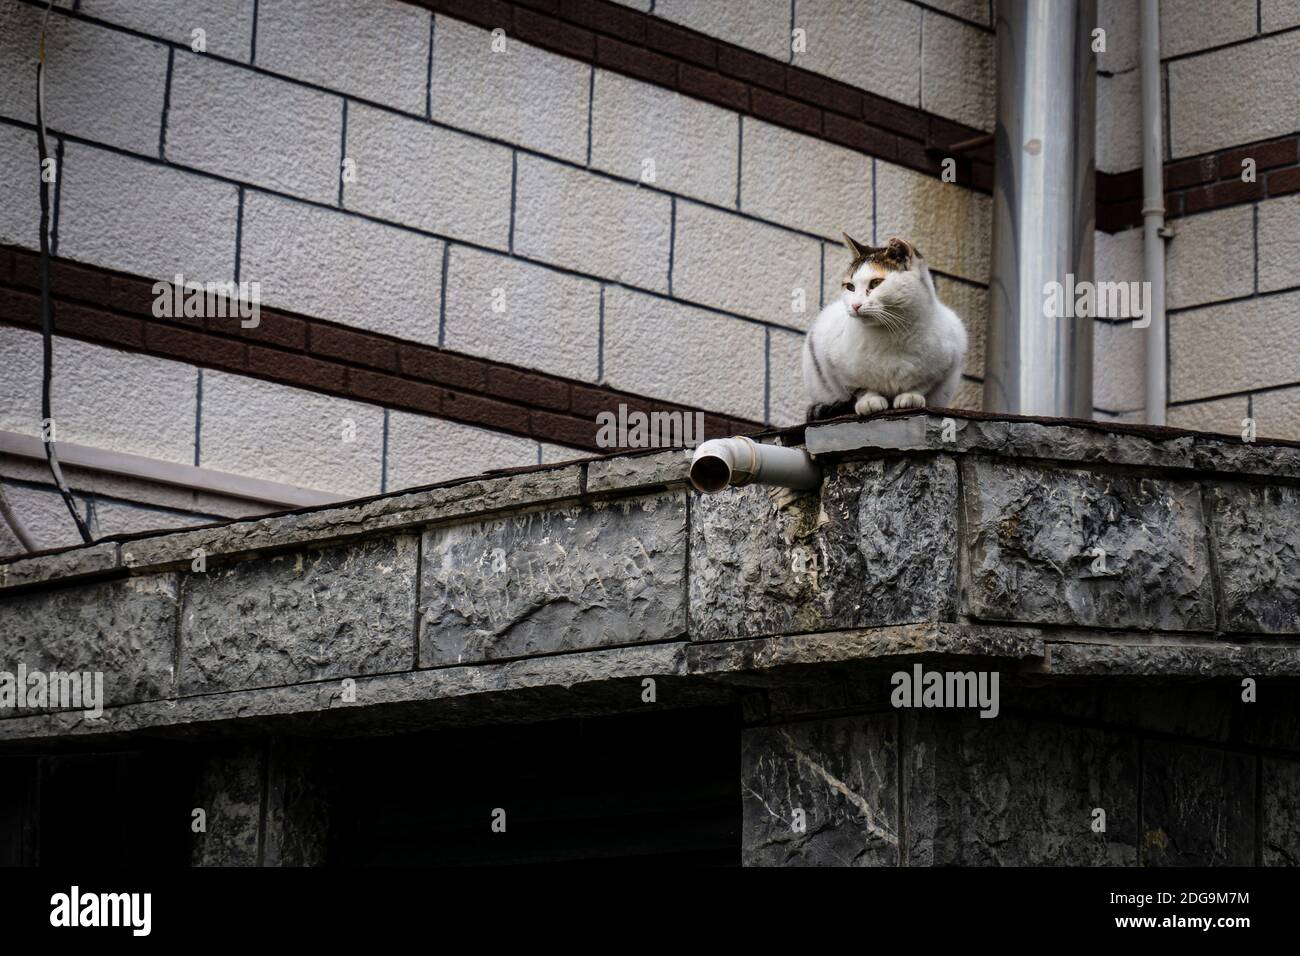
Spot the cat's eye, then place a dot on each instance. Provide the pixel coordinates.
(873, 283)
(848, 286)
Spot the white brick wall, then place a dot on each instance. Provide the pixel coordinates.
(873, 44)
(341, 267)
(551, 319)
(972, 304)
(382, 55)
(227, 24)
(951, 225)
(1190, 25)
(45, 516)
(522, 95)
(957, 71)
(142, 217)
(1221, 415)
(1207, 111)
(253, 128)
(1277, 413)
(1118, 367)
(760, 25)
(1279, 14)
(100, 397)
(277, 134)
(970, 394)
(691, 144)
(101, 84)
(976, 11)
(804, 182)
(1119, 18)
(1234, 347)
(424, 450)
(1279, 243)
(289, 435)
(835, 262)
(788, 404)
(683, 354)
(1211, 257)
(42, 513)
(1119, 122)
(435, 179)
(20, 208)
(1118, 256)
(734, 263)
(592, 224)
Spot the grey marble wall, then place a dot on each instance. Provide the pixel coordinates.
(1184, 776)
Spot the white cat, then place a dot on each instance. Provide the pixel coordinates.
(886, 340)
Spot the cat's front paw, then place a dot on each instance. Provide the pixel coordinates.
(909, 400)
(869, 402)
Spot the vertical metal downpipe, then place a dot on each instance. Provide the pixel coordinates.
(1044, 205)
(1153, 213)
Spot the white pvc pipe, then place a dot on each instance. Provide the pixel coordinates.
(721, 462)
(1153, 213)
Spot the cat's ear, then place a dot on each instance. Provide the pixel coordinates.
(901, 251)
(859, 250)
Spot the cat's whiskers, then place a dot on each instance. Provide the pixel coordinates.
(887, 317)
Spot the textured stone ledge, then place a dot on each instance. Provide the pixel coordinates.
(314, 527)
(1077, 443)
(1045, 439)
(1173, 659)
(594, 681)
(460, 500)
(610, 680)
(60, 566)
(987, 542)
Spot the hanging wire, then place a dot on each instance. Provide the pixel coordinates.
(15, 524)
(47, 319)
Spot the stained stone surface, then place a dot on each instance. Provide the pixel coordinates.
(1198, 806)
(304, 616)
(1257, 555)
(1054, 441)
(73, 563)
(125, 629)
(319, 527)
(1014, 792)
(625, 472)
(1281, 808)
(843, 775)
(545, 581)
(878, 546)
(1204, 657)
(297, 803)
(229, 792)
(1031, 535)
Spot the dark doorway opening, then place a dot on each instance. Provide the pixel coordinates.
(110, 809)
(655, 787)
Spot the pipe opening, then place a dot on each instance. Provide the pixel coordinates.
(710, 474)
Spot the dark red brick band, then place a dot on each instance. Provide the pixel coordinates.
(646, 47)
(1212, 181)
(116, 310)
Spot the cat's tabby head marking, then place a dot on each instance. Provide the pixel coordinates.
(886, 285)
